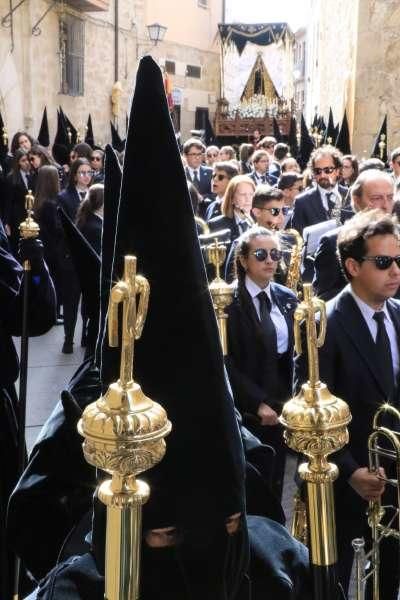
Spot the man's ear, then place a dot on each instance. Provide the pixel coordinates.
(243, 262)
(352, 266)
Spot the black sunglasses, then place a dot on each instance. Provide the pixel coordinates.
(218, 176)
(275, 210)
(326, 170)
(383, 262)
(261, 254)
(95, 158)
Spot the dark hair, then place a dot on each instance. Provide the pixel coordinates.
(93, 201)
(287, 180)
(194, 197)
(354, 164)
(245, 151)
(267, 142)
(19, 153)
(371, 163)
(258, 155)
(193, 142)
(230, 169)
(47, 186)
(286, 162)
(265, 193)
(15, 140)
(281, 150)
(83, 150)
(242, 249)
(318, 153)
(43, 154)
(74, 169)
(395, 154)
(354, 234)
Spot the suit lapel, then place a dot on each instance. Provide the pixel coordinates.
(286, 307)
(356, 329)
(254, 321)
(317, 207)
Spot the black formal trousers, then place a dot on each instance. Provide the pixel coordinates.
(348, 366)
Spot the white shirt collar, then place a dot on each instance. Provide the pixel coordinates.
(324, 192)
(254, 289)
(366, 310)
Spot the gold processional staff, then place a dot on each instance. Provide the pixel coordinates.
(124, 435)
(315, 424)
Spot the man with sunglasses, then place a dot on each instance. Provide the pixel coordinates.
(360, 363)
(222, 174)
(372, 189)
(317, 203)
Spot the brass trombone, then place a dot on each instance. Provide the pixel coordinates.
(391, 451)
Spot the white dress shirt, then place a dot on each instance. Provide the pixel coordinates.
(333, 195)
(193, 171)
(368, 314)
(279, 321)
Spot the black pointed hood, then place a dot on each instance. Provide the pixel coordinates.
(89, 137)
(343, 139)
(44, 136)
(209, 135)
(292, 138)
(306, 144)
(72, 132)
(376, 150)
(116, 142)
(178, 360)
(61, 144)
(315, 121)
(277, 132)
(330, 131)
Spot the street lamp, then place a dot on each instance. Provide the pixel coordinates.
(156, 32)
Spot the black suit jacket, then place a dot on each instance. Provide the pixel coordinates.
(253, 176)
(309, 210)
(204, 186)
(349, 368)
(69, 200)
(251, 362)
(92, 231)
(329, 279)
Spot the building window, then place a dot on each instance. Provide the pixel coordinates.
(202, 3)
(72, 51)
(192, 71)
(170, 67)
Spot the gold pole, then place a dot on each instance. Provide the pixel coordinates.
(315, 424)
(221, 292)
(124, 435)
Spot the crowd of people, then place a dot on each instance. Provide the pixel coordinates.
(345, 211)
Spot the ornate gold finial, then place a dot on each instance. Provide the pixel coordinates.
(221, 292)
(124, 435)
(329, 140)
(29, 228)
(382, 145)
(69, 133)
(78, 137)
(315, 424)
(5, 137)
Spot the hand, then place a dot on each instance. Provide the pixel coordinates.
(7, 229)
(267, 415)
(32, 250)
(368, 485)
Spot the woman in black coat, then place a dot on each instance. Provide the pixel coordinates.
(80, 178)
(18, 183)
(260, 341)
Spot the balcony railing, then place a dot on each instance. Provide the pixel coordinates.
(89, 5)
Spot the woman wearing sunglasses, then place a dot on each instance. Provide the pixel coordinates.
(260, 341)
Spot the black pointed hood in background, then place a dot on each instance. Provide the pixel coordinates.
(116, 142)
(209, 135)
(321, 125)
(44, 136)
(315, 121)
(292, 138)
(3, 146)
(72, 132)
(330, 131)
(89, 137)
(306, 144)
(376, 151)
(112, 187)
(61, 145)
(343, 139)
(277, 132)
(178, 360)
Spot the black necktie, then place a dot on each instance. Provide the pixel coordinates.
(196, 179)
(384, 354)
(331, 203)
(266, 321)
(82, 195)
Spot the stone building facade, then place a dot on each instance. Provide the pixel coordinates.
(353, 49)
(82, 47)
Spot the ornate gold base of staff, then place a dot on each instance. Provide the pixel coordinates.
(124, 435)
(315, 424)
